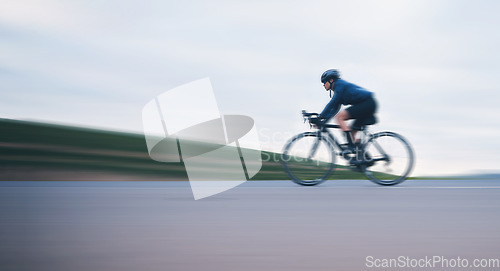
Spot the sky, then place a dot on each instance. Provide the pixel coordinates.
(433, 66)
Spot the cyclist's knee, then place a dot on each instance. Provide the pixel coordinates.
(342, 115)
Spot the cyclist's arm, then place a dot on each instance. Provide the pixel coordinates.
(333, 107)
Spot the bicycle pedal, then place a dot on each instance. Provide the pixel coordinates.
(355, 162)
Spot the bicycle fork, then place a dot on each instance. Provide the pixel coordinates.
(314, 147)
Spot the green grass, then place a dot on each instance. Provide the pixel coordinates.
(30, 147)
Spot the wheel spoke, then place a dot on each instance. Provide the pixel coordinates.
(308, 159)
(392, 158)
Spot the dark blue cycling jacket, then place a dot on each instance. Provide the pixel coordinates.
(344, 93)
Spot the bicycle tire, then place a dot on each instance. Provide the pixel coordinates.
(311, 170)
(400, 157)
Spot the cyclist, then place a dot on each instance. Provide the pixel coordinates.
(362, 109)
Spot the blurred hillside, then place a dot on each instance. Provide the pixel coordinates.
(40, 151)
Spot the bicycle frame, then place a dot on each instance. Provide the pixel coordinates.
(331, 137)
(366, 137)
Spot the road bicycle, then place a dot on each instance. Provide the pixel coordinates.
(385, 158)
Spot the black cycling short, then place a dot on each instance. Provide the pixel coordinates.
(363, 113)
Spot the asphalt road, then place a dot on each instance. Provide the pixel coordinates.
(262, 225)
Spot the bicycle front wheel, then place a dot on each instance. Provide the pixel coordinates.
(390, 158)
(308, 158)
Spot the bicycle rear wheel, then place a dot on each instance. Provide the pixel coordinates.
(390, 158)
(308, 158)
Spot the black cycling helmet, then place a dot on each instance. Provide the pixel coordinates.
(330, 74)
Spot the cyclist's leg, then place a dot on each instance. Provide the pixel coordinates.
(361, 112)
(356, 126)
(341, 119)
(344, 116)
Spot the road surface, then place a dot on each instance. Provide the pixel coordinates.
(260, 225)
